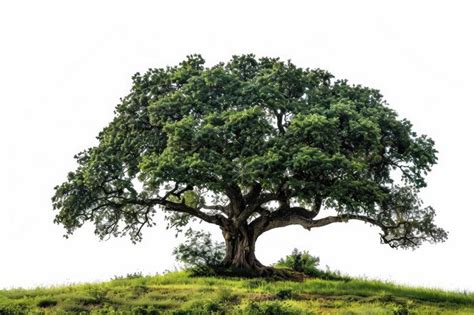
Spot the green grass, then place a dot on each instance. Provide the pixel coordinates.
(178, 293)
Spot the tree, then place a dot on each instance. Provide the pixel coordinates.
(251, 145)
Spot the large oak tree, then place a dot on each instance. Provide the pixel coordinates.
(251, 145)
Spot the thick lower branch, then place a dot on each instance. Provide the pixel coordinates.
(341, 218)
(183, 208)
(284, 216)
(253, 193)
(262, 225)
(255, 206)
(173, 206)
(237, 201)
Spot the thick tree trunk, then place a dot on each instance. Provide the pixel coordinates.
(240, 257)
(240, 249)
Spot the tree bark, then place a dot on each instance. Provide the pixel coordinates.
(240, 257)
(240, 249)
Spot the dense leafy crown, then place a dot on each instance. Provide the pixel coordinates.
(260, 141)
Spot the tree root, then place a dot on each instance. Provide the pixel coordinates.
(259, 271)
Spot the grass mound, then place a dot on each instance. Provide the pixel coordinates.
(178, 293)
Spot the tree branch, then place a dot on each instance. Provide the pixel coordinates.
(213, 207)
(283, 216)
(168, 205)
(183, 208)
(279, 116)
(253, 194)
(257, 203)
(300, 216)
(237, 201)
(177, 192)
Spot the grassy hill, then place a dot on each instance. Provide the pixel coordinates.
(178, 293)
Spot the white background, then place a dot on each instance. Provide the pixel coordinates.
(64, 66)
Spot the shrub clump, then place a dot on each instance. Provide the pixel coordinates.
(200, 254)
(304, 262)
(300, 261)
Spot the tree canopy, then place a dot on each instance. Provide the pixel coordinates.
(251, 145)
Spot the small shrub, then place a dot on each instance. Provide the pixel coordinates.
(200, 254)
(299, 261)
(302, 261)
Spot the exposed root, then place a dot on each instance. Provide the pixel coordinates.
(260, 271)
(281, 274)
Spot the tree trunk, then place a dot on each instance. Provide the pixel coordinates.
(240, 257)
(240, 250)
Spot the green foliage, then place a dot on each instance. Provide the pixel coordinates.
(199, 253)
(189, 134)
(178, 293)
(303, 261)
(299, 261)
